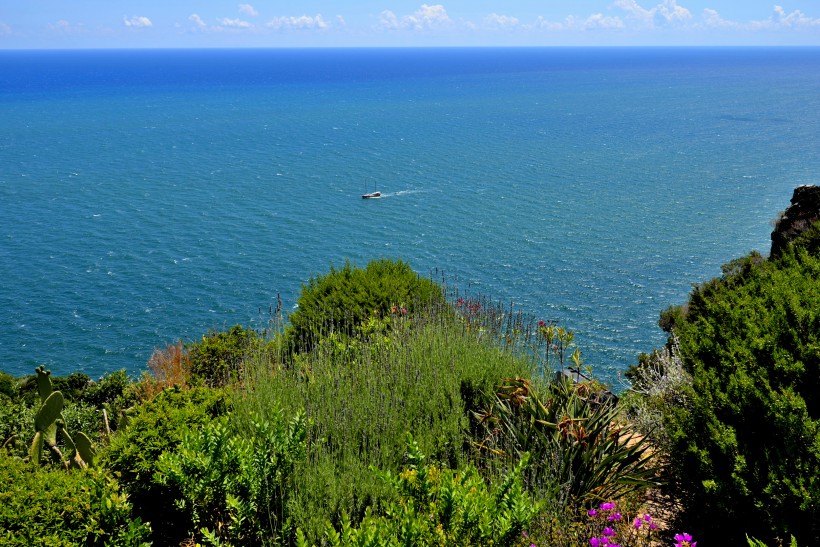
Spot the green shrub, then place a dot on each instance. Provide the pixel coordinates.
(236, 486)
(346, 298)
(576, 436)
(156, 426)
(218, 357)
(42, 506)
(16, 419)
(428, 378)
(8, 386)
(444, 507)
(746, 448)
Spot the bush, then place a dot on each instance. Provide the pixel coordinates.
(577, 439)
(218, 357)
(236, 486)
(154, 427)
(41, 506)
(747, 448)
(444, 507)
(8, 386)
(16, 425)
(428, 378)
(344, 299)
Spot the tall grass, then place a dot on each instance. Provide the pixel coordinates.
(425, 374)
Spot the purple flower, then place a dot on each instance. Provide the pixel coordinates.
(608, 506)
(647, 518)
(637, 523)
(592, 513)
(684, 540)
(614, 516)
(608, 531)
(524, 534)
(595, 542)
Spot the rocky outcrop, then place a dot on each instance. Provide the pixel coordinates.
(802, 213)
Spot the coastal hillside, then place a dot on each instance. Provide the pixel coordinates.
(393, 410)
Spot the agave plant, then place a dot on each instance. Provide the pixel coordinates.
(575, 437)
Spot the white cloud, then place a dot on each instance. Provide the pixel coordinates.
(593, 22)
(712, 19)
(779, 20)
(4, 28)
(666, 13)
(796, 19)
(341, 21)
(541, 23)
(137, 21)
(197, 20)
(64, 26)
(248, 9)
(388, 20)
(299, 23)
(226, 22)
(424, 18)
(501, 21)
(599, 20)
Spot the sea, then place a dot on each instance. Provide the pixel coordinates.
(149, 196)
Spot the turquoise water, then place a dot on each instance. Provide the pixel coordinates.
(147, 196)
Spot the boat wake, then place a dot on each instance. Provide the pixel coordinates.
(400, 193)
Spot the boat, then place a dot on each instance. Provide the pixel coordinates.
(370, 195)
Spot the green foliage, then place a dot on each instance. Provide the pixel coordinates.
(218, 357)
(114, 388)
(236, 485)
(576, 438)
(746, 448)
(15, 422)
(429, 378)
(444, 507)
(42, 506)
(346, 298)
(154, 427)
(757, 543)
(8, 386)
(49, 420)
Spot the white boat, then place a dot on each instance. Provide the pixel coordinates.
(370, 195)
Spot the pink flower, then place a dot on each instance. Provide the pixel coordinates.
(592, 513)
(607, 506)
(684, 540)
(608, 532)
(614, 516)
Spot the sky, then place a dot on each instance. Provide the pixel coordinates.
(48, 24)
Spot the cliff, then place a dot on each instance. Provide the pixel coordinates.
(800, 215)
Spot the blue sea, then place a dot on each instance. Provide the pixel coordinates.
(147, 196)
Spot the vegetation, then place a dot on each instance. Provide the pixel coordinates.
(742, 432)
(50, 506)
(383, 413)
(345, 299)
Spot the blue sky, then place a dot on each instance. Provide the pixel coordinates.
(331, 23)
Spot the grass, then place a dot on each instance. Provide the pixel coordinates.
(425, 375)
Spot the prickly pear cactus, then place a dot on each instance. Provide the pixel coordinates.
(49, 419)
(45, 421)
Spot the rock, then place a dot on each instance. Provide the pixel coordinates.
(800, 215)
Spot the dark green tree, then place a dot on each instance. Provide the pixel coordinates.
(746, 447)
